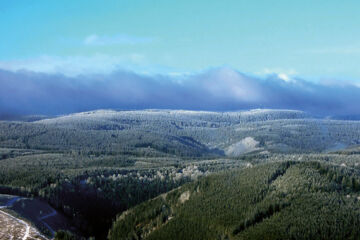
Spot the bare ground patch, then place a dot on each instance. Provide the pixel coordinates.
(14, 228)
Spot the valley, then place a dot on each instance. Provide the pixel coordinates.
(86, 174)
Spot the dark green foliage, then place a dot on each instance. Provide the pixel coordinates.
(90, 190)
(65, 235)
(290, 200)
(95, 165)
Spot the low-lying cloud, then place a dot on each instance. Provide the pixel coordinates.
(220, 89)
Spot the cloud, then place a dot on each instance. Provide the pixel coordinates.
(283, 74)
(96, 40)
(219, 89)
(76, 65)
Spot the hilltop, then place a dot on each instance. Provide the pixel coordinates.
(186, 133)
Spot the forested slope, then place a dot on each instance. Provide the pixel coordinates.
(92, 166)
(182, 133)
(289, 200)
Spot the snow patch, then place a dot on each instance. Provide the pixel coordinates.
(246, 145)
(184, 196)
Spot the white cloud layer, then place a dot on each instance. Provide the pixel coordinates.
(219, 89)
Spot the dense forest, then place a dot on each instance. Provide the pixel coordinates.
(288, 200)
(238, 174)
(181, 133)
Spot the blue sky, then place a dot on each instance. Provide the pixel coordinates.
(310, 39)
(202, 55)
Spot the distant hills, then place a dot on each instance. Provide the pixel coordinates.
(188, 133)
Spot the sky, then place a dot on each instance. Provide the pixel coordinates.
(90, 42)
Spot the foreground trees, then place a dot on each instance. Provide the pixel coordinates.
(290, 200)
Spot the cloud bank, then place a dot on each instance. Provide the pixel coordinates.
(220, 89)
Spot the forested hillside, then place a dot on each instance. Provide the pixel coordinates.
(183, 133)
(93, 166)
(288, 200)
